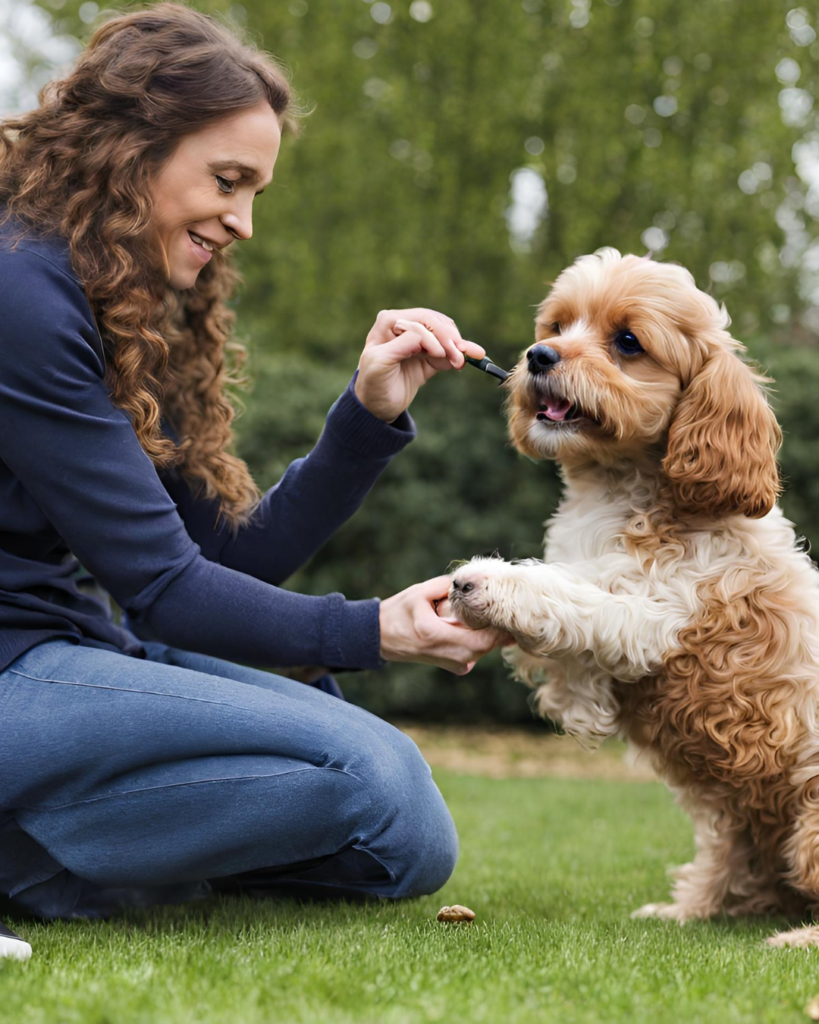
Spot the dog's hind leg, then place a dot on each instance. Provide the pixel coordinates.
(802, 853)
(797, 938)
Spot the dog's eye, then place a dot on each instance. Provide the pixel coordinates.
(627, 343)
(555, 328)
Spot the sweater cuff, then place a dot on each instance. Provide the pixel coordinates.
(352, 635)
(356, 427)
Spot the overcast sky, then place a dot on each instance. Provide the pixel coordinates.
(25, 33)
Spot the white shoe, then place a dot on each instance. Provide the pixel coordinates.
(12, 946)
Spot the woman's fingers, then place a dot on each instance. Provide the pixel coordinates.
(387, 318)
(435, 589)
(446, 331)
(473, 350)
(462, 646)
(440, 324)
(429, 341)
(412, 631)
(442, 327)
(414, 339)
(458, 669)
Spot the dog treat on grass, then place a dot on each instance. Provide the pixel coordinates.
(456, 913)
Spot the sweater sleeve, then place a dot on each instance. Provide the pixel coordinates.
(78, 457)
(316, 495)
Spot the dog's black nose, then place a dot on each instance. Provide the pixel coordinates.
(463, 587)
(541, 358)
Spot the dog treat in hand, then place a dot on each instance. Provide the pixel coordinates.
(456, 914)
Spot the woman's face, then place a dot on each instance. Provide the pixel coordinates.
(204, 193)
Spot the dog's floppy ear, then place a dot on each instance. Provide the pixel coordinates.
(722, 442)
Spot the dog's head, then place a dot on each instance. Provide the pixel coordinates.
(631, 360)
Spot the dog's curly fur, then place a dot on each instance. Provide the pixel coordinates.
(675, 606)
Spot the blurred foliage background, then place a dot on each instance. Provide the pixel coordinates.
(459, 154)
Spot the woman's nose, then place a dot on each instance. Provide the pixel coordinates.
(239, 223)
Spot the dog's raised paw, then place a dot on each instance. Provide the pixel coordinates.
(468, 599)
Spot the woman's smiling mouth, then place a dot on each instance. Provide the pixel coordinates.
(201, 248)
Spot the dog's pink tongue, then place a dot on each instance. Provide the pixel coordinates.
(556, 409)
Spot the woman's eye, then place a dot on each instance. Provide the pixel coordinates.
(225, 181)
(627, 343)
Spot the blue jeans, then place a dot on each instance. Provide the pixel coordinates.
(128, 782)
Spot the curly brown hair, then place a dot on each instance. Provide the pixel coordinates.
(79, 166)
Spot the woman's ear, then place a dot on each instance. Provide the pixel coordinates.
(722, 442)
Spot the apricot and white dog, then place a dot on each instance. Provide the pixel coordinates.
(675, 607)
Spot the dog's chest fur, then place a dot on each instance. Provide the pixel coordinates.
(733, 712)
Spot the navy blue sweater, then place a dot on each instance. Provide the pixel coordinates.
(84, 513)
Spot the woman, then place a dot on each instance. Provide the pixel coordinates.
(143, 762)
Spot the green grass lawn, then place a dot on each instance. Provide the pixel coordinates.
(551, 867)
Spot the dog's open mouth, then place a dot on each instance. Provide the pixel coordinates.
(554, 409)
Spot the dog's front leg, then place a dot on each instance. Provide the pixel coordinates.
(553, 610)
(701, 887)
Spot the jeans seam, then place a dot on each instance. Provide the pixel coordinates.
(182, 785)
(131, 689)
(177, 696)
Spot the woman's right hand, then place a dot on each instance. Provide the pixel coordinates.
(412, 631)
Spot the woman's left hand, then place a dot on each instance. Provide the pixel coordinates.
(403, 350)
